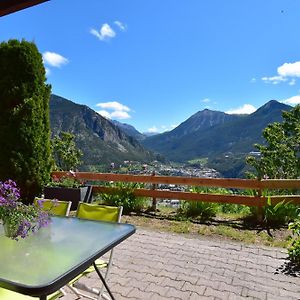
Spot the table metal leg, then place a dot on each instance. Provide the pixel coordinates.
(103, 281)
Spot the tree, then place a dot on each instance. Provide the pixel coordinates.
(65, 153)
(280, 157)
(24, 118)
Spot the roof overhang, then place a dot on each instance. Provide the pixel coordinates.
(10, 6)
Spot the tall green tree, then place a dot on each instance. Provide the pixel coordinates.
(280, 156)
(24, 118)
(65, 153)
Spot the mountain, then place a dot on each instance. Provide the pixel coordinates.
(99, 139)
(129, 130)
(171, 140)
(211, 134)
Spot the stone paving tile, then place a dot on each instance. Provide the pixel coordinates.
(159, 265)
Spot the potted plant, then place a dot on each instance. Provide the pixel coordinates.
(17, 218)
(67, 188)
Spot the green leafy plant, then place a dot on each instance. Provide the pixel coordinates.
(124, 196)
(68, 181)
(202, 210)
(276, 215)
(294, 248)
(65, 153)
(280, 155)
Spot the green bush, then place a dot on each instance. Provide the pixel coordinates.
(25, 154)
(276, 215)
(199, 209)
(294, 249)
(124, 196)
(229, 208)
(203, 210)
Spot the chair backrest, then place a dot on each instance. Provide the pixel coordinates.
(99, 212)
(57, 208)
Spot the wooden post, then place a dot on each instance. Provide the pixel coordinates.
(154, 201)
(260, 210)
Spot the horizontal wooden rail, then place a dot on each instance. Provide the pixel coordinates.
(280, 184)
(236, 199)
(208, 182)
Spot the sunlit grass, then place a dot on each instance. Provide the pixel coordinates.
(233, 231)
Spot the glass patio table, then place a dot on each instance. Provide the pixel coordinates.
(47, 260)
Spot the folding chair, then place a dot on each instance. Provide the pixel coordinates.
(59, 208)
(97, 213)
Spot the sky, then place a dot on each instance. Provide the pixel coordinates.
(154, 63)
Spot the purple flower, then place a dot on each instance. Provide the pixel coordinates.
(21, 219)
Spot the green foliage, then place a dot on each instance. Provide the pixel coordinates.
(69, 181)
(294, 249)
(280, 157)
(24, 117)
(65, 153)
(276, 215)
(124, 196)
(229, 208)
(203, 210)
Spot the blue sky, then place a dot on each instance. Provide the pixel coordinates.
(154, 63)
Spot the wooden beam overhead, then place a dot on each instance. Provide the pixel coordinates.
(11, 6)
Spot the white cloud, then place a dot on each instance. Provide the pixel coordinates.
(119, 114)
(161, 128)
(286, 72)
(114, 110)
(54, 59)
(121, 26)
(289, 69)
(245, 109)
(105, 32)
(153, 129)
(274, 79)
(253, 80)
(292, 101)
(206, 100)
(113, 105)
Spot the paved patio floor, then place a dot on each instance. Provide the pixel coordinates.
(156, 265)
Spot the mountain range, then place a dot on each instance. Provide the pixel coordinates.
(221, 140)
(100, 140)
(209, 133)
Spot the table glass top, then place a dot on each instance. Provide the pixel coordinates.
(53, 251)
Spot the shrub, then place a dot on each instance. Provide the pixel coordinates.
(24, 118)
(294, 249)
(124, 196)
(64, 151)
(202, 210)
(276, 215)
(234, 209)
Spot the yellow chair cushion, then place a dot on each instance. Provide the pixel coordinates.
(98, 212)
(59, 208)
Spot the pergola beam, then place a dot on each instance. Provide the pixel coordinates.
(11, 6)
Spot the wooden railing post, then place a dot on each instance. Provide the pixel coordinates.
(154, 201)
(260, 210)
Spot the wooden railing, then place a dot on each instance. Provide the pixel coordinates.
(258, 186)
